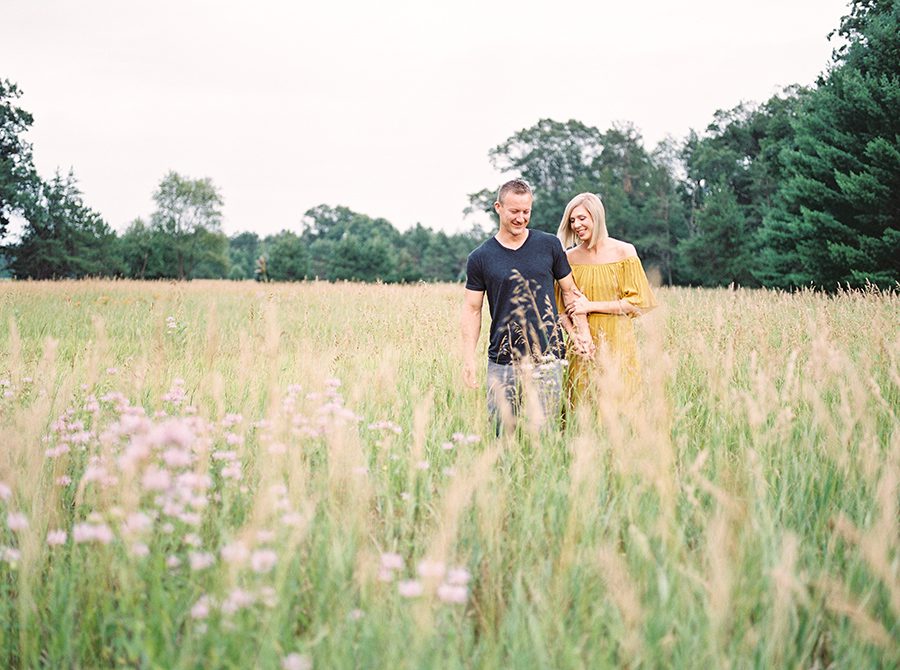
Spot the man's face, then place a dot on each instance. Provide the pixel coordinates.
(514, 213)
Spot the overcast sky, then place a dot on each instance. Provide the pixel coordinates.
(388, 107)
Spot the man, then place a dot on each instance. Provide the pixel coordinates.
(516, 269)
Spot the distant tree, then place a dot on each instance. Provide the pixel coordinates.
(836, 218)
(211, 255)
(556, 158)
(187, 211)
(144, 252)
(719, 253)
(740, 151)
(288, 257)
(243, 250)
(347, 245)
(412, 261)
(560, 160)
(19, 182)
(356, 258)
(640, 195)
(63, 238)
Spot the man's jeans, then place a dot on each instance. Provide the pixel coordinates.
(509, 386)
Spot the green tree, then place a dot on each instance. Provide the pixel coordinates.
(211, 259)
(741, 151)
(556, 158)
(640, 195)
(720, 251)
(187, 211)
(63, 238)
(287, 257)
(145, 252)
(560, 160)
(357, 258)
(347, 245)
(836, 218)
(243, 250)
(19, 182)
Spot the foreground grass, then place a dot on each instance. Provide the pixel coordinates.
(237, 475)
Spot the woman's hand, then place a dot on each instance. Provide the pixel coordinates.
(627, 309)
(579, 306)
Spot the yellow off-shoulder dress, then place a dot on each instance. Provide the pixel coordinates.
(612, 333)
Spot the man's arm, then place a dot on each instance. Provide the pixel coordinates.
(582, 332)
(470, 327)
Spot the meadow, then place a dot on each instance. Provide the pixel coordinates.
(241, 475)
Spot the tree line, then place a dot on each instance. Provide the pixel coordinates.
(800, 190)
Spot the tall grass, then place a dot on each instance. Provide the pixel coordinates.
(243, 475)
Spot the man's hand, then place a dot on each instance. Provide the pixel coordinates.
(470, 328)
(468, 374)
(584, 345)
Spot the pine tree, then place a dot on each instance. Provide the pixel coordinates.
(836, 220)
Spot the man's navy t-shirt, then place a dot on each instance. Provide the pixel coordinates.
(521, 298)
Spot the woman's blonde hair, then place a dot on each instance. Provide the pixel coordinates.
(598, 215)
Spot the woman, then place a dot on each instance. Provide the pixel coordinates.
(613, 290)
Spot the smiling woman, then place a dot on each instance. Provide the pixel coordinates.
(614, 290)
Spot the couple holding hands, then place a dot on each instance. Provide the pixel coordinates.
(581, 281)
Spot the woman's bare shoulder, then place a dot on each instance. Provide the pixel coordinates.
(575, 255)
(621, 249)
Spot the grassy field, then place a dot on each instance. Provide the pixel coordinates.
(290, 476)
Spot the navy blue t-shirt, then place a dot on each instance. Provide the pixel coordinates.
(521, 298)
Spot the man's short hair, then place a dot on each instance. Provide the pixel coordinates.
(517, 186)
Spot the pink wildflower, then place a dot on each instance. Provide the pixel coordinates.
(409, 588)
(431, 569)
(156, 479)
(390, 561)
(17, 521)
(10, 555)
(456, 595)
(235, 552)
(200, 610)
(56, 537)
(139, 549)
(296, 662)
(458, 576)
(200, 561)
(263, 560)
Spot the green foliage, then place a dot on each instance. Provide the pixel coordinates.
(288, 257)
(18, 178)
(641, 197)
(741, 152)
(719, 253)
(63, 238)
(145, 252)
(188, 214)
(836, 220)
(556, 158)
(243, 250)
(561, 160)
(211, 255)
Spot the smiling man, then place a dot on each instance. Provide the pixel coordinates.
(517, 268)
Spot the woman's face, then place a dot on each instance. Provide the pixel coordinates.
(581, 223)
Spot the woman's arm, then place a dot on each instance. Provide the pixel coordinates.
(581, 305)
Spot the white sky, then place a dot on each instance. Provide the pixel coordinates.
(386, 106)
